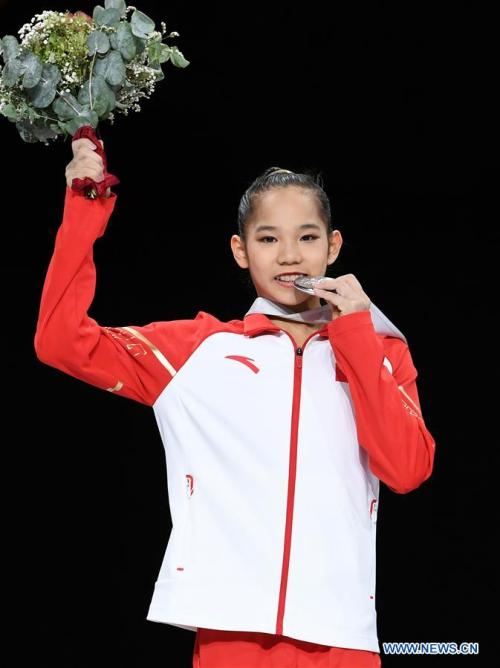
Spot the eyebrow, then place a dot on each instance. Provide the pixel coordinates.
(304, 226)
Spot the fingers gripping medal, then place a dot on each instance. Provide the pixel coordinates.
(307, 283)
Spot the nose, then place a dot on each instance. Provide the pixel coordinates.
(289, 253)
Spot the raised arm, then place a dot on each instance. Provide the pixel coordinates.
(124, 360)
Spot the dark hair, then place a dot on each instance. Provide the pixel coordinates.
(277, 177)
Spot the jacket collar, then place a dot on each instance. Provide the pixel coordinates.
(256, 323)
(256, 320)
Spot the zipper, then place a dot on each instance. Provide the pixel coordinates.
(292, 472)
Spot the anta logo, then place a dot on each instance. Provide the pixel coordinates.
(244, 360)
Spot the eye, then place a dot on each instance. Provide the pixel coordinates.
(313, 236)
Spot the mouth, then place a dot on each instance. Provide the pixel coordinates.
(286, 280)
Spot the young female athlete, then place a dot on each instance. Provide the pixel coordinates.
(278, 428)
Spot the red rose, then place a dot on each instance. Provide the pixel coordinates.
(81, 15)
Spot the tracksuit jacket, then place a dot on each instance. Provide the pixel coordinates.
(274, 452)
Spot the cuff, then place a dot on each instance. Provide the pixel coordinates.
(78, 195)
(95, 212)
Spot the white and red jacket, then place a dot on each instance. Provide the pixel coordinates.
(274, 453)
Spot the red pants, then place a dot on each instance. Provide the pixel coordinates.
(246, 649)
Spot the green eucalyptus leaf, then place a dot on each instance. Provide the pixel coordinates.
(12, 71)
(45, 91)
(117, 4)
(90, 115)
(111, 105)
(96, 93)
(87, 117)
(26, 132)
(123, 41)
(101, 66)
(111, 68)
(141, 24)
(112, 39)
(39, 130)
(165, 52)
(69, 127)
(66, 107)
(98, 42)
(107, 97)
(177, 59)
(116, 71)
(32, 113)
(10, 112)
(42, 131)
(154, 50)
(97, 14)
(140, 44)
(10, 48)
(32, 69)
(56, 128)
(106, 17)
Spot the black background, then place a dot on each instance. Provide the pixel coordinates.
(393, 103)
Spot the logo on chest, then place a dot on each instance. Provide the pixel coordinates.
(247, 361)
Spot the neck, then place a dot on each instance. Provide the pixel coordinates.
(318, 314)
(297, 324)
(310, 304)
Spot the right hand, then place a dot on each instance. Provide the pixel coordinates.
(85, 163)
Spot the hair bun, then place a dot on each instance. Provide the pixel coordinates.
(277, 170)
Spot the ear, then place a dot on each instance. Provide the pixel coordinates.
(102, 143)
(239, 253)
(335, 242)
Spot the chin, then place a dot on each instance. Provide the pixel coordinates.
(291, 297)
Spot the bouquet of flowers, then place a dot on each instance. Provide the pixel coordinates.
(70, 70)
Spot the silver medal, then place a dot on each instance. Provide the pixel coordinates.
(307, 283)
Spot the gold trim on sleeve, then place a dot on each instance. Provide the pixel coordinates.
(400, 387)
(157, 353)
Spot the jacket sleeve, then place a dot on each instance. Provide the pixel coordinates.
(136, 362)
(382, 383)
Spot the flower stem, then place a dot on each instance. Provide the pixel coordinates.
(90, 79)
(63, 95)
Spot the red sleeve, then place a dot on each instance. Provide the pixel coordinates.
(389, 421)
(136, 362)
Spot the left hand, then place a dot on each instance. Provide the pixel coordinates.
(348, 296)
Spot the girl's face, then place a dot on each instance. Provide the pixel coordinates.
(286, 235)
